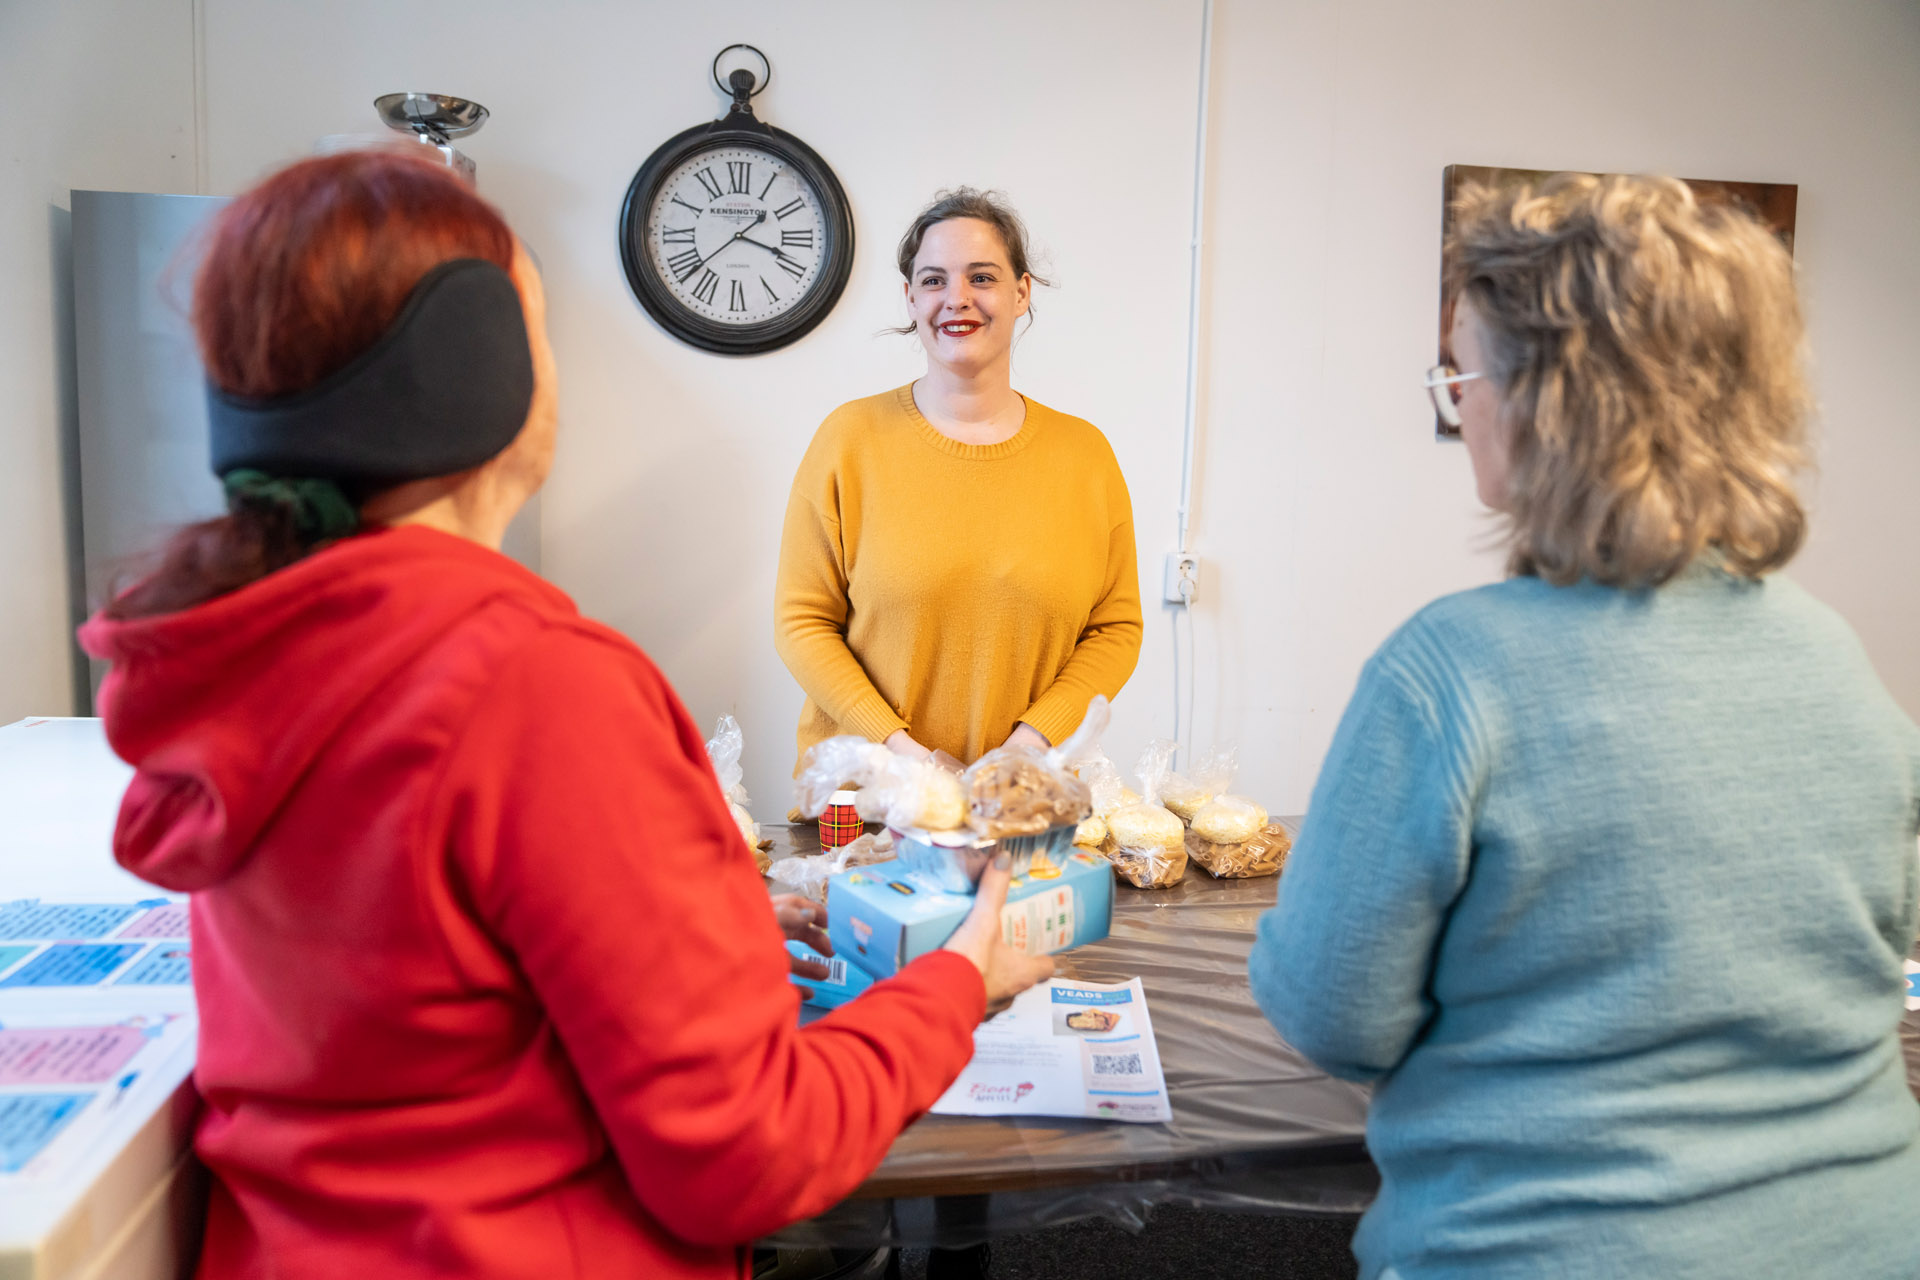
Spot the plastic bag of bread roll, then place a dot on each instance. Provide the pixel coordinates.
(1263, 855)
(809, 874)
(907, 795)
(1091, 832)
(1016, 791)
(1185, 794)
(724, 749)
(1104, 786)
(1228, 820)
(1147, 868)
(1145, 842)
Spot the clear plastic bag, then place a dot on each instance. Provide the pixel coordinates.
(809, 874)
(1015, 791)
(907, 795)
(1263, 855)
(1210, 776)
(1228, 820)
(1146, 842)
(724, 749)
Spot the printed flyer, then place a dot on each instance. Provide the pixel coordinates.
(1075, 1049)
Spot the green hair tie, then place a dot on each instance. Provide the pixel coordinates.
(320, 510)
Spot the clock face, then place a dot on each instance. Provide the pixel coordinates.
(736, 235)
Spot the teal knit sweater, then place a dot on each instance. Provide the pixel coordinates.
(1608, 893)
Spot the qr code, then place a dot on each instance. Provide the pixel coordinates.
(1117, 1064)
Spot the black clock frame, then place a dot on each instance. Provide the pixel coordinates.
(739, 127)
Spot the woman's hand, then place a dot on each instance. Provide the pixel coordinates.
(800, 919)
(901, 743)
(1025, 735)
(1006, 972)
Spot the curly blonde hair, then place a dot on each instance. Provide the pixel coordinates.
(1647, 352)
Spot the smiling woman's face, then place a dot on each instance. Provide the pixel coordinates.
(964, 295)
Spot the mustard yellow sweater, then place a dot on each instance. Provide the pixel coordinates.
(955, 590)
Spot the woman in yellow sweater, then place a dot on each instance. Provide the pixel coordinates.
(957, 569)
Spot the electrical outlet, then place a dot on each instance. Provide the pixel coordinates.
(1183, 577)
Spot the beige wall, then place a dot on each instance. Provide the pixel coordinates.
(1326, 513)
(94, 96)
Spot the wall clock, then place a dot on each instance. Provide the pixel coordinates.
(735, 235)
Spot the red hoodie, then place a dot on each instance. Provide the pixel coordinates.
(488, 984)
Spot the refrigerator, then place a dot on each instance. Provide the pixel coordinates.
(141, 398)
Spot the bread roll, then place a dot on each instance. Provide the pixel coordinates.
(1145, 827)
(943, 804)
(1183, 799)
(1229, 820)
(1091, 832)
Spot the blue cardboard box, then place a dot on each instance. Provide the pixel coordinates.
(883, 917)
(843, 984)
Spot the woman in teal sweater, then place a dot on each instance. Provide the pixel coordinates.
(1610, 869)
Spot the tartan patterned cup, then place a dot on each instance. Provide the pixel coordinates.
(840, 823)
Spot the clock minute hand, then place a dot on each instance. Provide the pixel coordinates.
(741, 234)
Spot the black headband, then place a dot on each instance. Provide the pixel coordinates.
(446, 387)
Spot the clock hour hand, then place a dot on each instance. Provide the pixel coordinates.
(773, 249)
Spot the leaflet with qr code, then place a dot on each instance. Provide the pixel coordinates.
(1081, 1049)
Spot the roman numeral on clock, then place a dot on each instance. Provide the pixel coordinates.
(769, 186)
(794, 205)
(736, 296)
(739, 177)
(771, 295)
(684, 264)
(684, 205)
(676, 235)
(711, 183)
(791, 266)
(708, 286)
(797, 239)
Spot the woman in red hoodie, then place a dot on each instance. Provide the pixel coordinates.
(489, 986)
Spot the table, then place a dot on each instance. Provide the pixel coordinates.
(1255, 1126)
(128, 1204)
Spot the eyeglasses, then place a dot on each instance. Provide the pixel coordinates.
(1443, 386)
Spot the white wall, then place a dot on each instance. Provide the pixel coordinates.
(1326, 512)
(1327, 509)
(96, 96)
(663, 514)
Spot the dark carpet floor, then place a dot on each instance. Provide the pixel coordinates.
(1186, 1243)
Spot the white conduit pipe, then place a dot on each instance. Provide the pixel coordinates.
(1195, 264)
(1194, 274)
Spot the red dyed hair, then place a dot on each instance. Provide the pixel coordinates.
(307, 270)
(301, 274)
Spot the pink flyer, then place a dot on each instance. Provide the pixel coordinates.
(66, 1055)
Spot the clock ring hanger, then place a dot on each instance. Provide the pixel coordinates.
(751, 87)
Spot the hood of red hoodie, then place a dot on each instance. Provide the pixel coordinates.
(222, 708)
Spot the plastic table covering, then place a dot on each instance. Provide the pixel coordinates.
(1255, 1127)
